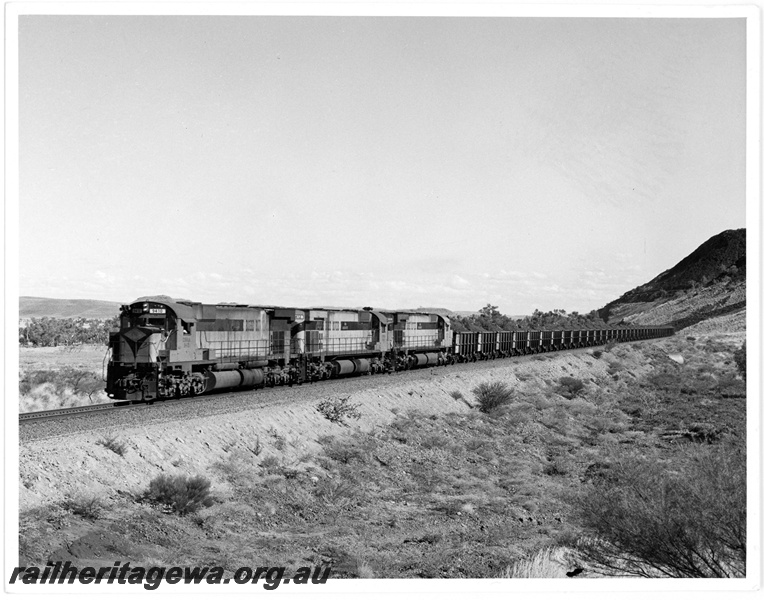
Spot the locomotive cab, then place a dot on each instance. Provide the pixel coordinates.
(151, 335)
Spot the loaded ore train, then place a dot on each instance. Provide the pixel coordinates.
(177, 349)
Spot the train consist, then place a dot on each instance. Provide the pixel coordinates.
(177, 349)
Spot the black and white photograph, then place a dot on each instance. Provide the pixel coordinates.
(346, 298)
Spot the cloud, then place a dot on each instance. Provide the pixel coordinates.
(460, 283)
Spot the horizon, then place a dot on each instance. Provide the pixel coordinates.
(420, 307)
(529, 163)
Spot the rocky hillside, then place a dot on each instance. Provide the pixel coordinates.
(709, 283)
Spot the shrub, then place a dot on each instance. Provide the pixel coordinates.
(279, 441)
(614, 368)
(689, 521)
(183, 494)
(740, 360)
(337, 410)
(336, 493)
(88, 507)
(358, 448)
(491, 395)
(570, 387)
(270, 464)
(113, 444)
(237, 467)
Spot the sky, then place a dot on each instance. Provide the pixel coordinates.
(530, 163)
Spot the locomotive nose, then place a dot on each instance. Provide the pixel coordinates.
(138, 344)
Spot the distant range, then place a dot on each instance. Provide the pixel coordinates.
(33, 307)
(708, 283)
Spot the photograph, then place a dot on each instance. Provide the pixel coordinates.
(331, 298)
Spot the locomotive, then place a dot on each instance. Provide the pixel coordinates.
(178, 349)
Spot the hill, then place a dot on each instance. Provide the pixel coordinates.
(708, 283)
(34, 307)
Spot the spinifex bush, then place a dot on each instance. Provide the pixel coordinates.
(337, 410)
(492, 395)
(184, 494)
(114, 444)
(683, 520)
(570, 387)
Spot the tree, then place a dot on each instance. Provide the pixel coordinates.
(49, 331)
(490, 311)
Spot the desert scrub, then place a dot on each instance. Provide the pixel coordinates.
(47, 389)
(492, 395)
(337, 410)
(569, 387)
(614, 368)
(686, 519)
(357, 448)
(335, 493)
(237, 467)
(87, 507)
(115, 445)
(182, 494)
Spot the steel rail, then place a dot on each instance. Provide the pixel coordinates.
(63, 412)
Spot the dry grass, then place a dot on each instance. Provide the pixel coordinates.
(547, 563)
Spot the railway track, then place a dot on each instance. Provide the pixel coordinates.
(262, 396)
(110, 406)
(65, 412)
(92, 409)
(100, 409)
(108, 419)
